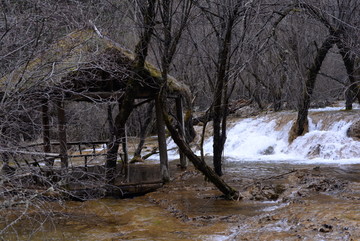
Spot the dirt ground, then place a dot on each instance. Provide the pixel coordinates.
(304, 203)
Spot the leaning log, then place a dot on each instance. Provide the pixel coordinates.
(199, 163)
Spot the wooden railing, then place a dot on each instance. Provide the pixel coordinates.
(80, 150)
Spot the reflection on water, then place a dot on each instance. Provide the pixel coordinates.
(131, 219)
(115, 219)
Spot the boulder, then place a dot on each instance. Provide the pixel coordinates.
(354, 131)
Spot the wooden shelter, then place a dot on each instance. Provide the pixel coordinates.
(87, 66)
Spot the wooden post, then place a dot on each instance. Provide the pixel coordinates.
(46, 130)
(126, 155)
(181, 129)
(62, 134)
(85, 156)
(124, 146)
(160, 124)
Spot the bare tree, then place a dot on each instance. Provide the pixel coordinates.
(224, 19)
(337, 18)
(126, 105)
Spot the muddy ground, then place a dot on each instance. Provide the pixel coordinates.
(294, 203)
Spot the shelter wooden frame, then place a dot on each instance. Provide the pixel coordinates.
(87, 66)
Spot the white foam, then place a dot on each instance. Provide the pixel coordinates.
(340, 106)
(260, 139)
(274, 207)
(327, 109)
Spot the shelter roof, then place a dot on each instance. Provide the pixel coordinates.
(84, 62)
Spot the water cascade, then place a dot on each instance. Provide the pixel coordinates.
(265, 138)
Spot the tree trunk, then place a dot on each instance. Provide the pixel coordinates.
(188, 123)
(46, 130)
(160, 125)
(349, 97)
(132, 85)
(220, 97)
(353, 91)
(300, 127)
(111, 123)
(217, 145)
(181, 129)
(144, 130)
(125, 109)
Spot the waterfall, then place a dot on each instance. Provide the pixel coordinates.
(265, 138)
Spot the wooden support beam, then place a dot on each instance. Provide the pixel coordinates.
(160, 124)
(126, 155)
(107, 96)
(46, 129)
(94, 96)
(62, 134)
(124, 146)
(181, 129)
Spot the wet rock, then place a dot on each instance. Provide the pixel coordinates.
(261, 192)
(354, 131)
(325, 228)
(279, 189)
(267, 219)
(326, 185)
(314, 151)
(268, 151)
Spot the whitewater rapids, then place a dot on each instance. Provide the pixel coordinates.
(265, 138)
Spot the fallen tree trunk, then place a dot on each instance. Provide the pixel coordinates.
(199, 163)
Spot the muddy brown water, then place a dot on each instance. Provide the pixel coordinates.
(315, 203)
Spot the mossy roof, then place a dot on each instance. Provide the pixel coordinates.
(81, 60)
